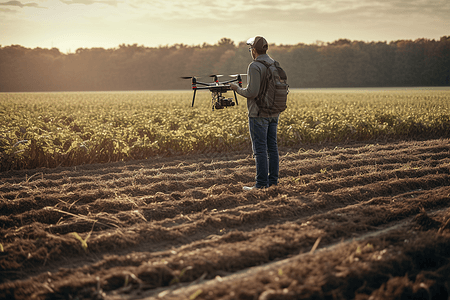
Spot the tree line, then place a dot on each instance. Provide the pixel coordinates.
(342, 63)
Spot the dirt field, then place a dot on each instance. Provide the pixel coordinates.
(369, 221)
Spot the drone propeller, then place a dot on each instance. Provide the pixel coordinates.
(189, 77)
(237, 75)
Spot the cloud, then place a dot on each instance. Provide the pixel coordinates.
(7, 10)
(20, 4)
(292, 10)
(89, 2)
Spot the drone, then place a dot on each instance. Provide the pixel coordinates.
(217, 88)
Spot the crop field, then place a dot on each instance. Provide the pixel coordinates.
(139, 196)
(68, 129)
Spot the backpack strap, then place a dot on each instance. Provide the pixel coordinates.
(264, 63)
(282, 73)
(263, 83)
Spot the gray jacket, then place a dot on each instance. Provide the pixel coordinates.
(255, 72)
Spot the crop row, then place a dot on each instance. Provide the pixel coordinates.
(53, 129)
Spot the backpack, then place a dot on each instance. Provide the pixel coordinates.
(274, 89)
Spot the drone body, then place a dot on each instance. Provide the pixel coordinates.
(217, 88)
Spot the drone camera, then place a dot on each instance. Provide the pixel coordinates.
(223, 102)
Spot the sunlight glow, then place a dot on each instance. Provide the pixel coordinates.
(71, 24)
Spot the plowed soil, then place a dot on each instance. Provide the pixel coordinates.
(365, 221)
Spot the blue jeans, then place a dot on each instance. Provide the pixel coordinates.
(263, 132)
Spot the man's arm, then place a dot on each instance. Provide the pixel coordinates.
(254, 82)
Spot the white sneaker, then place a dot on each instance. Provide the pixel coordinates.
(250, 188)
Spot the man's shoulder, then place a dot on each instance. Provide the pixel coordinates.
(255, 65)
(264, 60)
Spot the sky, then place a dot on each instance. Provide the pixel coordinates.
(72, 24)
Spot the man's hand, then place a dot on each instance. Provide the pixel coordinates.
(234, 86)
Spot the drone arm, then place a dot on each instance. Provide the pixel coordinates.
(203, 83)
(204, 88)
(232, 80)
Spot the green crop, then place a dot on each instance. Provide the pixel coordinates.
(66, 129)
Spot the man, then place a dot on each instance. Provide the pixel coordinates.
(263, 127)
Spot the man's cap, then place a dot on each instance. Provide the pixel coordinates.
(258, 42)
